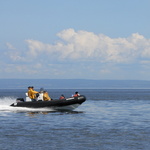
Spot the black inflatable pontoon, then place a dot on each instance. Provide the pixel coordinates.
(63, 104)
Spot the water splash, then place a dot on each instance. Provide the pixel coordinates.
(5, 103)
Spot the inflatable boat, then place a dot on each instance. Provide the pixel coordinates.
(67, 104)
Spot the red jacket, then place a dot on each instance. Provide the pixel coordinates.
(75, 95)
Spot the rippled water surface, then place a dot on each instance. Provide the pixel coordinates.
(108, 120)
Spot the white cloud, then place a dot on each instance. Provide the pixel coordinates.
(13, 53)
(35, 47)
(15, 56)
(93, 55)
(10, 46)
(89, 46)
(146, 62)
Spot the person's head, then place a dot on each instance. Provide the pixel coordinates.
(41, 89)
(76, 92)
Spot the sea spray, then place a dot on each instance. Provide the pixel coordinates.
(5, 103)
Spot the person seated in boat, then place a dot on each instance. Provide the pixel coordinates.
(32, 93)
(76, 94)
(46, 96)
(62, 97)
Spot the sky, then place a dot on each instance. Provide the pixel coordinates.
(75, 39)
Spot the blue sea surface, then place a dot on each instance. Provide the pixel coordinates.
(109, 120)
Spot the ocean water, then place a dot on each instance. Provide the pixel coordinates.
(110, 119)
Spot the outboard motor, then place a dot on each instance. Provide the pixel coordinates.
(19, 100)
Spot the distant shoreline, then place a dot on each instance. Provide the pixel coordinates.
(74, 84)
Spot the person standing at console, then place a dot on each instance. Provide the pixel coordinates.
(32, 93)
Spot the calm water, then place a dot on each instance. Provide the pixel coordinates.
(108, 120)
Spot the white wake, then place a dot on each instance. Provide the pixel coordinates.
(5, 103)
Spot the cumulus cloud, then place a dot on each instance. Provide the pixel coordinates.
(83, 45)
(10, 46)
(93, 55)
(145, 62)
(13, 53)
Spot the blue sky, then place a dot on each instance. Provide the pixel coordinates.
(75, 39)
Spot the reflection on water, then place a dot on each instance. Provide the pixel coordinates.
(54, 112)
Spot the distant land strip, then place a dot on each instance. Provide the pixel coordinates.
(73, 84)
